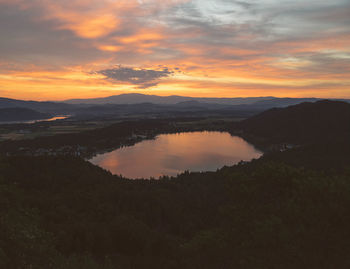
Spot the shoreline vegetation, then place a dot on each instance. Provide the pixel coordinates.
(89, 143)
(63, 212)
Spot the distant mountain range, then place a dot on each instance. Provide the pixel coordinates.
(47, 107)
(139, 104)
(21, 114)
(136, 98)
(255, 103)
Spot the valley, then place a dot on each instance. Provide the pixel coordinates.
(58, 210)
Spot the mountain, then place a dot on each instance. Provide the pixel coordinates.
(282, 102)
(138, 104)
(135, 98)
(257, 103)
(132, 98)
(302, 123)
(46, 107)
(187, 108)
(21, 114)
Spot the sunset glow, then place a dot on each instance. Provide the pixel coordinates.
(57, 50)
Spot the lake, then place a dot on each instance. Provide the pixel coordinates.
(171, 154)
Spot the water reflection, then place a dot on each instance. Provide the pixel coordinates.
(35, 121)
(171, 154)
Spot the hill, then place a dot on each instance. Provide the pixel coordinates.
(62, 212)
(126, 105)
(135, 98)
(21, 114)
(47, 107)
(286, 210)
(281, 102)
(302, 123)
(132, 98)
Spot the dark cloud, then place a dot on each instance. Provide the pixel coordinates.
(143, 78)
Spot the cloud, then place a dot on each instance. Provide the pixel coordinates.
(223, 40)
(142, 78)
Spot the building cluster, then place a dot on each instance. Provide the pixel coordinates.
(61, 151)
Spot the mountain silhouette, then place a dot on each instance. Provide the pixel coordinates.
(302, 123)
(21, 114)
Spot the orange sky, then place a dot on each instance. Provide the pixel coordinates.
(56, 50)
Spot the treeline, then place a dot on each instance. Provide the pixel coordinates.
(300, 124)
(63, 212)
(110, 137)
(286, 210)
(21, 114)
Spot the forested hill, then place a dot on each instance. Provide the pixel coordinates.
(65, 213)
(45, 107)
(302, 123)
(286, 210)
(21, 114)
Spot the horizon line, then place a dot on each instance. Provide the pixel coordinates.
(165, 96)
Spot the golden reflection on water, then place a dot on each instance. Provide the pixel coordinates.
(171, 154)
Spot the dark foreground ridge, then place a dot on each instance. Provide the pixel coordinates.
(63, 212)
(301, 124)
(288, 209)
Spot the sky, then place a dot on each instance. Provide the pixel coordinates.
(63, 49)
